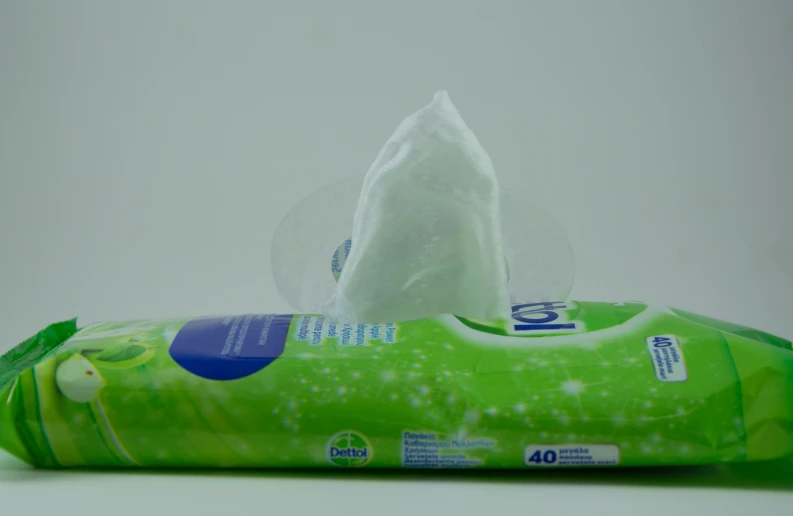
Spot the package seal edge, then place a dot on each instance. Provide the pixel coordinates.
(24, 355)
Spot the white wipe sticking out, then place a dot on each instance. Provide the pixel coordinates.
(426, 237)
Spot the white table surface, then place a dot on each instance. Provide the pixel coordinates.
(149, 149)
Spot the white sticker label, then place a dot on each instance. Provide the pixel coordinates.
(667, 357)
(571, 455)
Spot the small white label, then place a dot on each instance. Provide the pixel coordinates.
(571, 455)
(667, 357)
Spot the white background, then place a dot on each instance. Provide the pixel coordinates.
(148, 150)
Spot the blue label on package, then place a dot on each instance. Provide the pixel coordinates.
(229, 348)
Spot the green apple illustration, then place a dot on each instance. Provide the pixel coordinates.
(78, 375)
(78, 379)
(124, 353)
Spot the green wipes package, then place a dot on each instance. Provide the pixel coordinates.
(565, 384)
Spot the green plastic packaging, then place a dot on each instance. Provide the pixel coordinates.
(563, 384)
